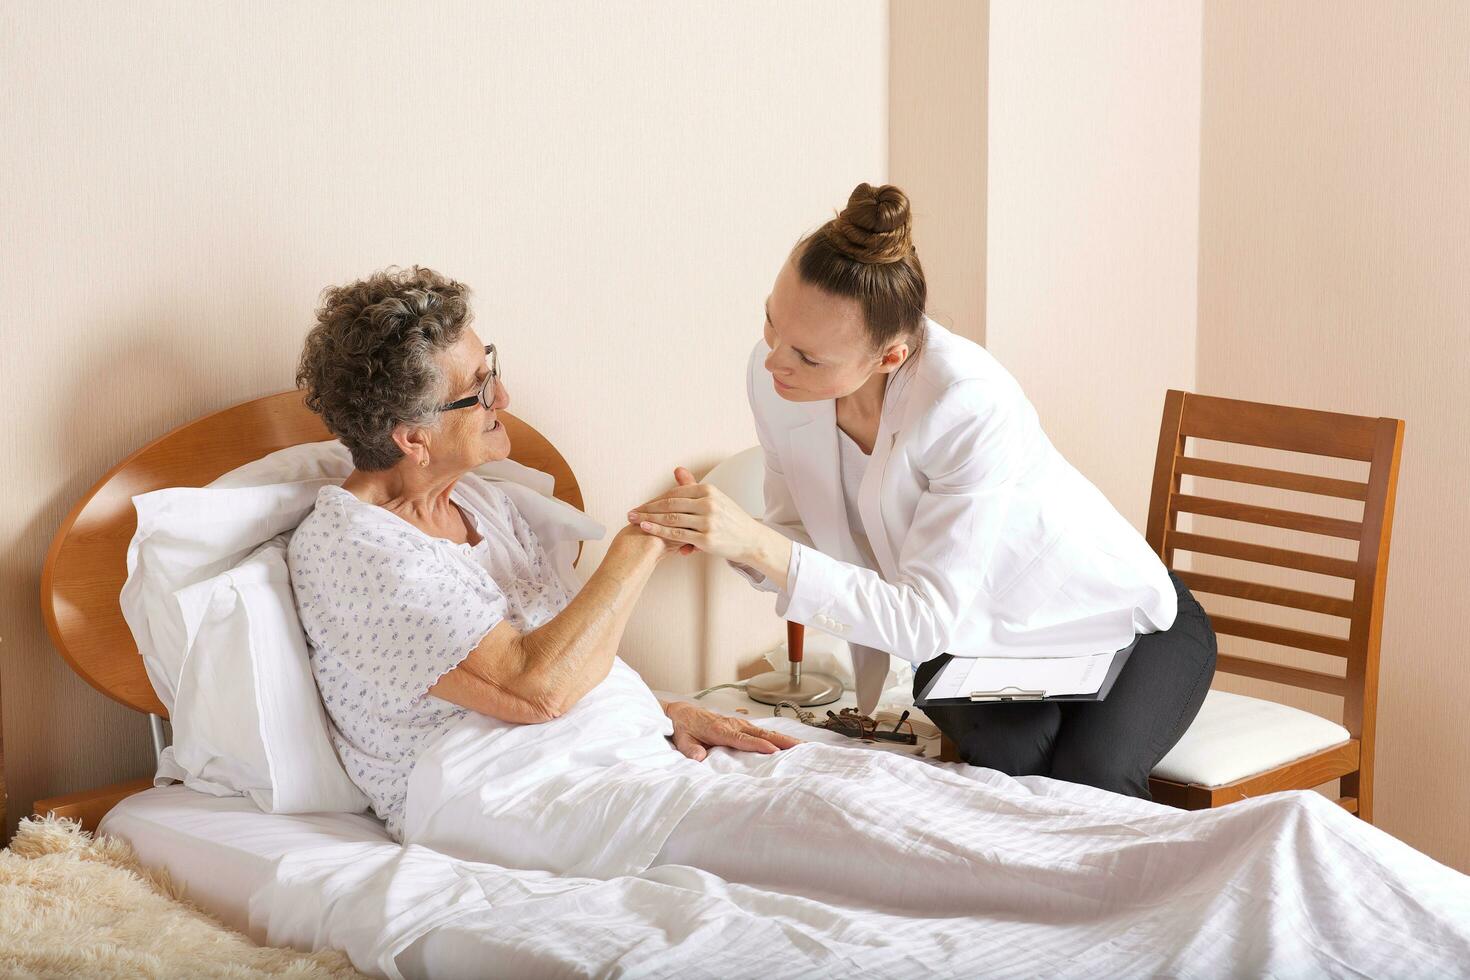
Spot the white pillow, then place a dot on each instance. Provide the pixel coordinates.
(194, 588)
(186, 535)
(247, 716)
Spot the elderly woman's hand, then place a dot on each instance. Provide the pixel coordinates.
(697, 730)
(665, 547)
(702, 515)
(682, 477)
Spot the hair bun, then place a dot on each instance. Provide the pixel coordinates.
(875, 227)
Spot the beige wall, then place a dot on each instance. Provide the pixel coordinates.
(1093, 204)
(619, 182)
(1335, 273)
(937, 58)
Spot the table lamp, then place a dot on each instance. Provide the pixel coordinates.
(742, 479)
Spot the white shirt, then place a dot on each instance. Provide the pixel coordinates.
(388, 610)
(854, 464)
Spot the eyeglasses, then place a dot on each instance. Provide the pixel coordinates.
(854, 725)
(486, 394)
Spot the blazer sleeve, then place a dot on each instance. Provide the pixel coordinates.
(973, 451)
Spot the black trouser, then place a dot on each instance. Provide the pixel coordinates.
(1113, 744)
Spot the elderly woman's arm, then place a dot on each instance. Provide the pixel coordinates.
(533, 677)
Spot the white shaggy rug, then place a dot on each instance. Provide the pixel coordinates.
(72, 906)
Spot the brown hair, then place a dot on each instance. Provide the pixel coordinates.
(867, 253)
(371, 362)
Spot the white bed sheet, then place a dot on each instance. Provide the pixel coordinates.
(223, 849)
(1046, 879)
(313, 881)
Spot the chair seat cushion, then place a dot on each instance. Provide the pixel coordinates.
(1235, 736)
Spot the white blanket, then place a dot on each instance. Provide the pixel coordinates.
(826, 860)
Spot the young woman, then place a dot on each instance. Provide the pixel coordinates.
(914, 506)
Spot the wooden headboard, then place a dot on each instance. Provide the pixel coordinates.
(87, 562)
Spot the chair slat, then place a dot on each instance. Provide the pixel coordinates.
(1282, 636)
(1297, 430)
(1269, 516)
(1260, 476)
(1261, 554)
(1314, 680)
(1276, 596)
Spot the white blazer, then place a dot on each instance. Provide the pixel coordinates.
(988, 542)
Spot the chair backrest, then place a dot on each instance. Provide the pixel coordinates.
(87, 563)
(1375, 441)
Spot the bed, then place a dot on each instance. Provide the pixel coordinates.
(1078, 882)
(227, 855)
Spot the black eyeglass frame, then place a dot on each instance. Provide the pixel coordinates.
(854, 725)
(489, 385)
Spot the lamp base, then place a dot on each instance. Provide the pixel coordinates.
(802, 690)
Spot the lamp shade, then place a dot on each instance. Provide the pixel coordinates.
(742, 478)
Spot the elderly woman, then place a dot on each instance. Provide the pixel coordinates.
(424, 593)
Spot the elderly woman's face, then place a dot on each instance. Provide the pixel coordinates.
(471, 436)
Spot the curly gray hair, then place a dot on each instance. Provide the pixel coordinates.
(371, 362)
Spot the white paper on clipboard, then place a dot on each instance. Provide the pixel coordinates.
(1057, 676)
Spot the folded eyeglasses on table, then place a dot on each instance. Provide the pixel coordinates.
(853, 724)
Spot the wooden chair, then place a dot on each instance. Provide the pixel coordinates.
(1376, 441)
(87, 562)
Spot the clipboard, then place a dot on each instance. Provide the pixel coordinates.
(1012, 694)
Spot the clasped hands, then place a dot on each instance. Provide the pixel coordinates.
(698, 516)
(691, 516)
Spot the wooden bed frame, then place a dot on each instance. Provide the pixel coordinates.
(87, 562)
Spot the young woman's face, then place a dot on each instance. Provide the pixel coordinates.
(819, 342)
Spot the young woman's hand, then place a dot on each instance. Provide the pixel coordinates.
(671, 545)
(704, 517)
